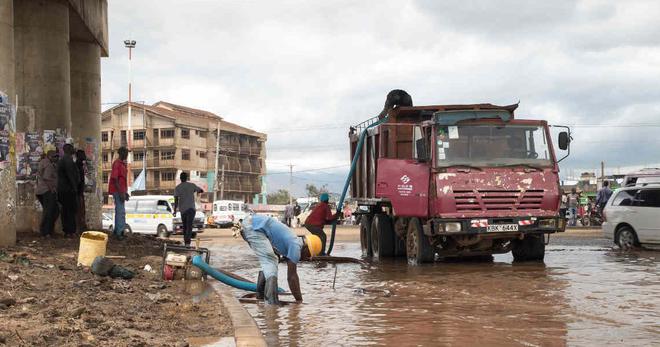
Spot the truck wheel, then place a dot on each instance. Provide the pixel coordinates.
(399, 246)
(418, 247)
(531, 248)
(162, 231)
(365, 236)
(382, 236)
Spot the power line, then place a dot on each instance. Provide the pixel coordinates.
(308, 170)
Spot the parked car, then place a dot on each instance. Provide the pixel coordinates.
(152, 214)
(107, 221)
(226, 212)
(632, 217)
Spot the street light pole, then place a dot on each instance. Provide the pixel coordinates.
(130, 44)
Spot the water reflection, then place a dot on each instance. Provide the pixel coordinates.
(583, 296)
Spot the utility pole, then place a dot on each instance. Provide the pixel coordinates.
(130, 44)
(222, 183)
(602, 173)
(217, 156)
(290, 183)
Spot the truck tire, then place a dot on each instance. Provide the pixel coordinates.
(531, 248)
(418, 248)
(382, 236)
(365, 236)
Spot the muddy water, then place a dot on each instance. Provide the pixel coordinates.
(582, 295)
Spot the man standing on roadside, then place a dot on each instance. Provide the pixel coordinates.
(573, 202)
(184, 200)
(603, 196)
(81, 164)
(47, 193)
(288, 214)
(320, 216)
(67, 190)
(118, 187)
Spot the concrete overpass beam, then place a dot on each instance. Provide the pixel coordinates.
(86, 117)
(7, 175)
(43, 81)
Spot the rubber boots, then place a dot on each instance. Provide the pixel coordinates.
(271, 294)
(261, 285)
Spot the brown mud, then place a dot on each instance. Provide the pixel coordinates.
(49, 301)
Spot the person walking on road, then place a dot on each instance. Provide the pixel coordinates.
(320, 216)
(268, 236)
(67, 190)
(603, 196)
(118, 188)
(184, 200)
(288, 214)
(573, 201)
(47, 192)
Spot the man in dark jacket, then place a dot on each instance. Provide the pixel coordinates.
(67, 190)
(81, 163)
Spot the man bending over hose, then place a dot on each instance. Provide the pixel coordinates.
(268, 236)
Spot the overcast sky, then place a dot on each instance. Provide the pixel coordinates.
(316, 67)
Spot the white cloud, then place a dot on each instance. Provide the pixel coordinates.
(325, 65)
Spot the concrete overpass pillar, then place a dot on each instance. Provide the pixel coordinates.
(86, 116)
(7, 175)
(41, 36)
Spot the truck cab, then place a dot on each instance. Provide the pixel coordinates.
(457, 181)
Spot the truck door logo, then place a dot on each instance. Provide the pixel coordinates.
(405, 189)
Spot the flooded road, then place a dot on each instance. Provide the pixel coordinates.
(584, 294)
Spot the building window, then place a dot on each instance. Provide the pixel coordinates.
(201, 154)
(138, 135)
(185, 154)
(167, 176)
(167, 155)
(185, 133)
(203, 134)
(167, 134)
(203, 174)
(138, 156)
(104, 136)
(124, 142)
(105, 177)
(136, 173)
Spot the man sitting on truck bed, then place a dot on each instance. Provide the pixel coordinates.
(320, 216)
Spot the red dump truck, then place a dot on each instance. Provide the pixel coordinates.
(455, 181)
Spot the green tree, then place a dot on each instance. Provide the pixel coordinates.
(280, 197)
(312, 190)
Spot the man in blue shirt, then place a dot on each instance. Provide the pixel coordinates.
(266, 235)
(603, 195)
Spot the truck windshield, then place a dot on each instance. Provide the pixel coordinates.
(492, 145)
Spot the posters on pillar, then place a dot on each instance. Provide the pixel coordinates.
(60, 140)
(49, 140)
(7, 119)
(91, 152)
(31, 150)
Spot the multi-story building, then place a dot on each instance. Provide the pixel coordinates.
(170, 138)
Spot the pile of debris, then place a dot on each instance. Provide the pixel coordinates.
(46, 299)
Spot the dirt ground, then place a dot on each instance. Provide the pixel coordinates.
(46, 300)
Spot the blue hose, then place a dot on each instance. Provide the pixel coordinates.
(228, 280)
(358, 150)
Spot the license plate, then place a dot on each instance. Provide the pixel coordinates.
(502, 228)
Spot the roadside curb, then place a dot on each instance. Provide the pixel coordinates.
(246, 331)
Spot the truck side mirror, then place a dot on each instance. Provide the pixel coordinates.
(422, 155)
(564, 140)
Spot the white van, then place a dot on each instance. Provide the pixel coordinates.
(226, 212)
(152, 214)
(632, 217)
